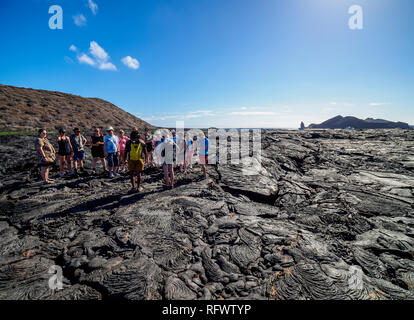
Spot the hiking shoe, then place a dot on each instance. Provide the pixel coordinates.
(116, 174)
(140, 189)
(71, 173)
(61, 175)
(111, 175)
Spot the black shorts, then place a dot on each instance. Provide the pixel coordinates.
(98, 153)
(63, 153)
(46, 164)
(149, 146)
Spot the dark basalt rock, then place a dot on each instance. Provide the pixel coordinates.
(291, 228)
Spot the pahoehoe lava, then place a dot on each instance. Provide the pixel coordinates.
(322, 202)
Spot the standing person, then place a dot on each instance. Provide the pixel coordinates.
(156, 141)
(174, 135)
(65, 151)
(78, 142)
(203, 153)
(150, 148)
(166, 151)
(111, 151)
(46, 155)
(190, 152)
(97, 143)
(182, 152)
(122, 155)
(135, 152)
(175, 140)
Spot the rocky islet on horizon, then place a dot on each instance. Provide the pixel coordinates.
(340, 122)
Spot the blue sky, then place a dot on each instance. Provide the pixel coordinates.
(224, 63)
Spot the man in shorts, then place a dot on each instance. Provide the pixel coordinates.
(111, 149)
(78, 142)
(97, 148)
(135, 150)
(203, 153)
(150, 148)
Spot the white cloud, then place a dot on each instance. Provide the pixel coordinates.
(107, 66)
(199, 114)
(93, 6)
(68, 59)
(249, 108)
(190, 115)
(84, 58)
(79, 20)
(99, 57)
(130, 62)
(254, 113)
(341, 104)
(73, 48)
(377, 104)
(98, 52)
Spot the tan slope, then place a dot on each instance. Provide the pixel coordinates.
(30, 109)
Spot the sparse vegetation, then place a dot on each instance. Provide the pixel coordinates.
(25, 110)
(8, 133)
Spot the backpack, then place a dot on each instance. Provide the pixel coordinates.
(136, 151)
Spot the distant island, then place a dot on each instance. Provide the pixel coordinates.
(340, 122)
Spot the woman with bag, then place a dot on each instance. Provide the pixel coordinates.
(65, 152)
(46, 155)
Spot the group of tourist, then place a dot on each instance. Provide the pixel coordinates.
(119, 153)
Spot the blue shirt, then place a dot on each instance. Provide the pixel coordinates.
(205, 153)
(111, 143)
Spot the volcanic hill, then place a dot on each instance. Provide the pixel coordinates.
(24, 109)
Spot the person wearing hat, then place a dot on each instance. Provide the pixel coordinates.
(78, 142)
(135, 152)
(97, 149)
(64, 152)
(45, 155)
(111, 143)
(174, 135)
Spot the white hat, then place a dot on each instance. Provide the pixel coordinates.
(109, 128)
